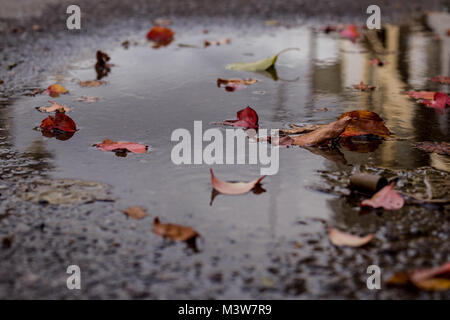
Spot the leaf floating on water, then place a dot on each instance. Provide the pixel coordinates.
(233, 188)
(247, 118)
(439, 102)
(363, 87)
(59, 122)
(441, 79)
(53, 108)
(436, 147)
(235, 84)
(260, 65)
(109, 145)
(174, 231)
(208, 43)
(162, 36)
(136, 212)
(350, 32)
(324, 134)
(377, 62)
(386, 198)
(91, 83)
(429, 95)
(102, 67)
(364, 122)
(55, 90)
(339, 238)
(434, 279)
(87, 99)
(300, 130)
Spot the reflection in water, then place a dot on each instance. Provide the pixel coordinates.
(258, 189)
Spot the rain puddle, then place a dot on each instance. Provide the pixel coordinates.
(151, 92)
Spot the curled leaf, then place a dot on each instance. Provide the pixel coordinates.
(59, 122)
(247, 118)
(55, 90)
(109, 145)
(259, 65)
(233, 188)
(339, 238)
(324, 134)
(54, 107)
(174, 231)
(436, 147)
(135, 212)
(386, 198)
(91, 83)
(364, 122)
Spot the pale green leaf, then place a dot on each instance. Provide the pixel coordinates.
(260, 65)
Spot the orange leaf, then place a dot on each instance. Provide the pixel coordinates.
(434, 279)
(363, 87)
(350, 32)
(340, 238)
(364, 122)
(233, 188)
(387, 198)
(174, 231)
(55, 90)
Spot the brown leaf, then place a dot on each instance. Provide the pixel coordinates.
(91, 83)
(55, 90)
(174, 231)
(87, 99)
(299, 130)
(339, 238)
(136, 212)
(324, 134)
(363, 87)
(53, 108)
(364, 122)
(208, 43)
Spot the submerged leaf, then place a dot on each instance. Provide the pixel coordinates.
(233, 188)
(54, 107)
(436, 147)
(364, 122)
(208, 43)
(259, 65)
(339, 238)
(324, 134)
(87, 99)
(247, 118)
(235, 84)
(109, 145)
(386, 198)
(174, 231)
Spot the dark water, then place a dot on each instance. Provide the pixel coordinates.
(151, 92)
